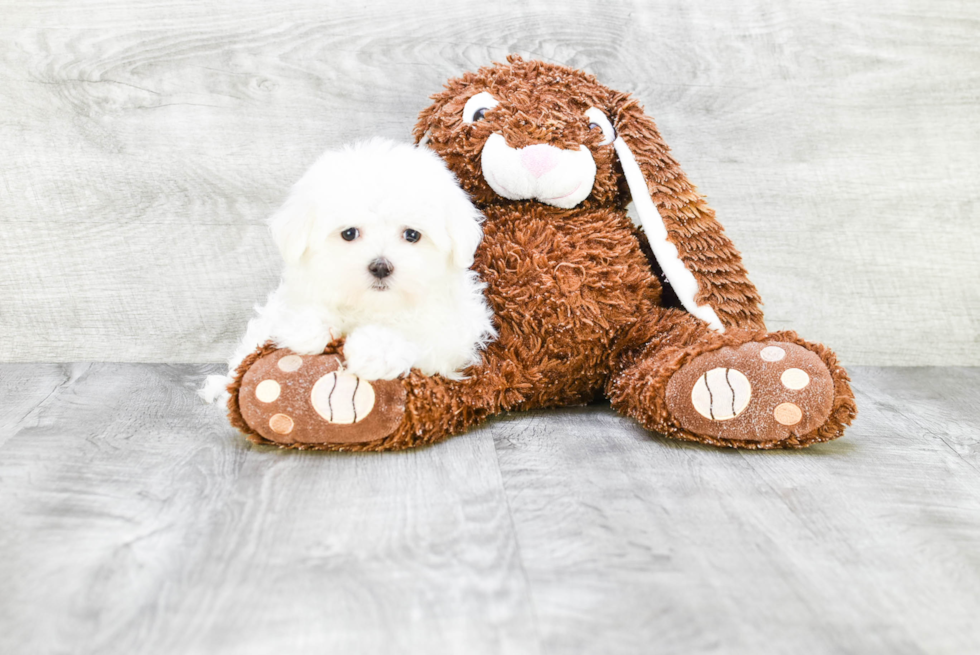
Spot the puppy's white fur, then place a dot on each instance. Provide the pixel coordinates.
(429, 313)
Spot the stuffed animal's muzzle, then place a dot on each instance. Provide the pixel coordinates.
(557, 177)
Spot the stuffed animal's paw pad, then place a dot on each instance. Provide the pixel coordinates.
(757, 392)
(343, 398)
(295, 400)
(721, 394)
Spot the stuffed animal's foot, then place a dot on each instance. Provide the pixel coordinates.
(310, 401)
(759, 394)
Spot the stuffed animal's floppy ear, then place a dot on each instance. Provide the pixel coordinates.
(696, 256)
(292, 226)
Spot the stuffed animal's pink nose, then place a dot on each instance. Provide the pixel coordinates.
(539, 159)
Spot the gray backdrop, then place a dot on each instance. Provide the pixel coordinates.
(142, 146)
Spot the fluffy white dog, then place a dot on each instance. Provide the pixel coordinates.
(377, 240)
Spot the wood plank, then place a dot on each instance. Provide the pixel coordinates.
(136, 520)
(129, 292)
(836, 142)
(24, 390)
(636, 544)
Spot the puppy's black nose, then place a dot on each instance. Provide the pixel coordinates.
(381, 268)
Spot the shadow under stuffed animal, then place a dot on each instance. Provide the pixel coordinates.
(661, 319)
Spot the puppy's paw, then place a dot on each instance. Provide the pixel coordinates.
(215, 388)
(303, 332)
(378, 353)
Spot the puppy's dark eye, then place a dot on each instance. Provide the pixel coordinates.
(349, 234)
(478, 116)
(412, 235)
(595, 126)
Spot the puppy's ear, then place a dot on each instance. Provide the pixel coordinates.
(459, 232)
(465, 233)
(699, 260)
(292, 226)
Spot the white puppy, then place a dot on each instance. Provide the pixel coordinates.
(377, 240)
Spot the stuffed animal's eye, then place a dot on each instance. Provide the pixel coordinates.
(477, 106)
(350, 234)
(411, 235)
(599, 120)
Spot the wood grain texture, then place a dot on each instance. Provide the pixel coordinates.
(136, 521)
(868, 544)
(25, 391)
(141, 146)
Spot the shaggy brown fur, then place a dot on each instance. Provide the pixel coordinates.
(578, 306)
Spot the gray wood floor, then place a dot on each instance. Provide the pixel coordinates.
(135, 521)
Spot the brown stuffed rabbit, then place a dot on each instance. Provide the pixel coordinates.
(661, 320)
